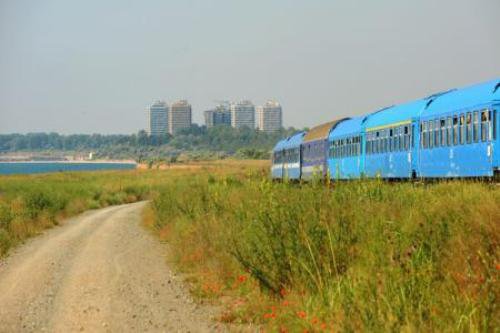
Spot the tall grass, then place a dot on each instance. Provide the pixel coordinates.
(31, 203)
(361, 255)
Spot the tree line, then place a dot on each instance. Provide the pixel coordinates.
(221, 139)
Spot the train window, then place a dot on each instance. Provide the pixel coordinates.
(494, 124)
(443, 132)
(372, 143)
(423, 138)
(485, 124)
(396, 139)
(450, 130)
(401, 137)
(390, 139)
(462, 129)
(431, 134)
(412, 139)
(455, 130)
(468, 119)
(380, 145)
(384, 141)
(476, 126)
(406, 137)
(436, 133)
(422, 134)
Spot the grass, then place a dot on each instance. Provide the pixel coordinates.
(362, 255)
(32, 203)
(354, 256)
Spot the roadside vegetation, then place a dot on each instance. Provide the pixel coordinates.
(32, 203)
(356, 256)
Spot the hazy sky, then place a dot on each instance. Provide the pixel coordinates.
(93, 66)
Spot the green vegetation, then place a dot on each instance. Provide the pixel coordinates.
(31, 203)
(356, 256)
(350, 256)
(198, 142)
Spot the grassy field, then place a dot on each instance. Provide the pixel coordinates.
(32, 203)
(361, 255)
(356, 256)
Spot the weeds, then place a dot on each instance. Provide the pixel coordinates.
(32, 203)
(361, 255)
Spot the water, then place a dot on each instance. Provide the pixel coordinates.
(44, 167)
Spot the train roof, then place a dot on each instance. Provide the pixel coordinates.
(347, 127)
(468, 97)
(396, 114)
(279, 145)
(294, 140)
(322, 131)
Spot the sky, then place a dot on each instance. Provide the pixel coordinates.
(94, 66)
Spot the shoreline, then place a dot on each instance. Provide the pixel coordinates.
(75, 162)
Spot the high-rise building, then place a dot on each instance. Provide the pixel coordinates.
(269, 117)
(221, 115)
(179, 116)
(243, 114)
(158, 118)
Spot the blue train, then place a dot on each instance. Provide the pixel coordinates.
(446, 135)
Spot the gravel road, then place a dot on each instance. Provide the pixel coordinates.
(99, 272)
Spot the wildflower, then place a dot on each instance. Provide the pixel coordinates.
(242, 278)
(498, 267)
(323, 326)
(285, 303)
(270, 315)
(283, 292)
(301, 314)
(314, 321)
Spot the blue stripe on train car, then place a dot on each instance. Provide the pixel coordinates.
(345, 153)
(459, 133)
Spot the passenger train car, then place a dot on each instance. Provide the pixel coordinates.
(447, 135)
(287, 156)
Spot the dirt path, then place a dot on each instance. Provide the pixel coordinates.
(100, 272)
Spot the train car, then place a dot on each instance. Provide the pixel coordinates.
(346, 152)
(390, 142)
(277, 160)
(445, 135)
(314, 151)
(292, 151)
(459, 133)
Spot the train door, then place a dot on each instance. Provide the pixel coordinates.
(495, 156)
(362, 152)
(416, 137)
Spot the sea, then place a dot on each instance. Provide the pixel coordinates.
(10, 168)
